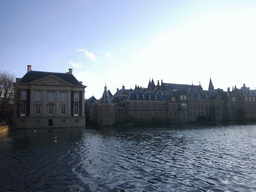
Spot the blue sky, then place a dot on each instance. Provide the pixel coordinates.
(129, 42)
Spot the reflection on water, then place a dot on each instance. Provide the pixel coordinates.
(149, 159)
(4, 131)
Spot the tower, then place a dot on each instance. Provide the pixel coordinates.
(211, 87)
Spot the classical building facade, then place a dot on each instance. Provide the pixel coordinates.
(48, 99)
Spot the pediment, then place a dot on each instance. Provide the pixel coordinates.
(51, 81)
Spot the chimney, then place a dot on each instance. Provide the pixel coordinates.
(123, 87)
(29, 68)
(70, 70)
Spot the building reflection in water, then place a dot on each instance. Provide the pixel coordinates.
(4, 131)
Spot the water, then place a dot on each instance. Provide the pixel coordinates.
(149, 159)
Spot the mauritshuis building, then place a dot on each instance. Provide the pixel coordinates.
(48, 99)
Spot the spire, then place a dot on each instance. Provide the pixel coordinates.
(105, 88)
(211, 87)
(153, 83)
(106, 96)
(149, 84)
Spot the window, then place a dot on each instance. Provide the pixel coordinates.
(50, 95)
(38, 109)
(63, 109)
(37, 121)
(22, 110)
(76, 110)
(22, 121)
(23, 95)
(76, 120)
(63, 96)
(63, 121)
(184, 105)
(181, 97)
(38, 95)
(76, 97)
(173, 98)
(50, 109)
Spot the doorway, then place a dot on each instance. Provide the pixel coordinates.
(50, 122)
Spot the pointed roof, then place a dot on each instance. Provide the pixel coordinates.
(91, 100)
(151, 84)
(211, 87)
(106, 96)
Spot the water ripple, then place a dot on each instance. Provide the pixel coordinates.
(168, 160)
(179, 159)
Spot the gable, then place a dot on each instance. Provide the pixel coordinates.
(51, 81)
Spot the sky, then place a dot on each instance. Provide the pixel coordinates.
(127, 43)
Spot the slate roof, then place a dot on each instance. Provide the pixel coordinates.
(144, 95)
(31, 76)
(106, 97)
(122, 92)
(92, 100)
(180, 87)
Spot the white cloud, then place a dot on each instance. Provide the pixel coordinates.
(109, 55)
(88, 54)
(220, 46)
(76, 64)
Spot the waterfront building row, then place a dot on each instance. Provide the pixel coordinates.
(177, 103)
(49, 99)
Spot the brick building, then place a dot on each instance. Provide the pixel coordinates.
(48, 99)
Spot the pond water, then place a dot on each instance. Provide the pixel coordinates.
(183, 158)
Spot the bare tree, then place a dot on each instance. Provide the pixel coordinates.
(6, 96)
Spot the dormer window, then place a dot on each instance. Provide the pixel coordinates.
(149, 97)
(137, 96)
(143, 96)
(155, 97)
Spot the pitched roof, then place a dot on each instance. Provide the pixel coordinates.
(31, 76)
(122, 92)
(141, 95)
(91, 100)
(106, 97)
(180, 87)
